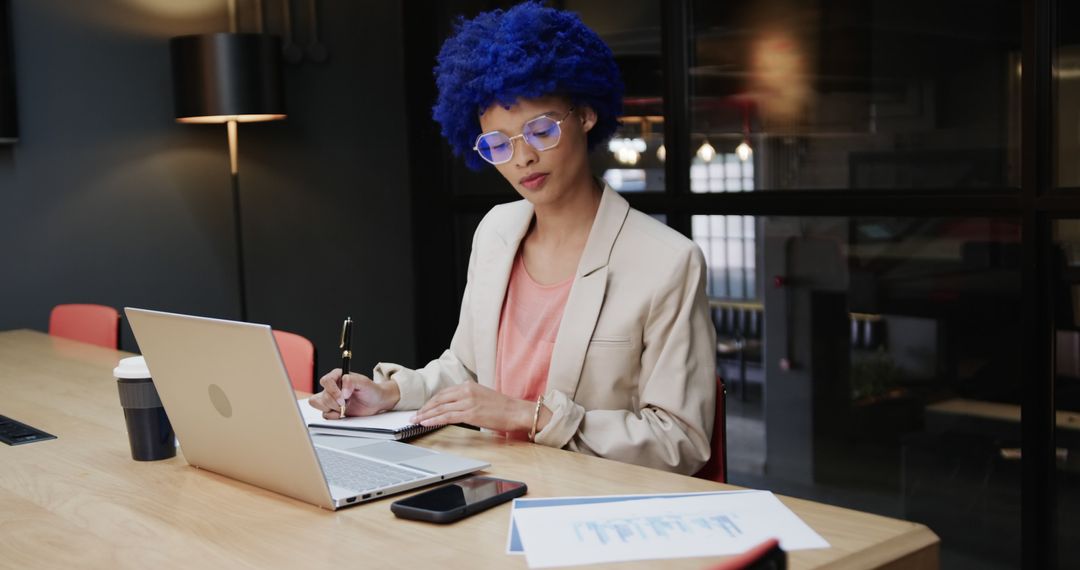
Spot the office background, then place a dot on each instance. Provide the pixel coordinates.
(892, 264)
(106, 199)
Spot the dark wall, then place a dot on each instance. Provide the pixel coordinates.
(9, 130)
(107, 200)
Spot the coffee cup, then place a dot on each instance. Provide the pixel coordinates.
(149, 431)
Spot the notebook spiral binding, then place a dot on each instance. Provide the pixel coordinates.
(415, 430)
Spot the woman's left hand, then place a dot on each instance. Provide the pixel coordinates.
(476, 405)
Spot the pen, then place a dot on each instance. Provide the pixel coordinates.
(346, 353)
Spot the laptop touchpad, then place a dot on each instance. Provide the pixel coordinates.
(391, 451)
(442, 463)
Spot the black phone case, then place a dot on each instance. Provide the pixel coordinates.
(443, 517)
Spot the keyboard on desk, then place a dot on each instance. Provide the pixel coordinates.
(17, 433)
(351, 472)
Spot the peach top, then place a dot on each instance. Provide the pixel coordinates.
(528, 326)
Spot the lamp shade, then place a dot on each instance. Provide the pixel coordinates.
(227, 77)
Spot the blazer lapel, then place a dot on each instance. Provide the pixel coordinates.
(586, 295)
(491, 276)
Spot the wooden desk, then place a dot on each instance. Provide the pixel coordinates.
(80, 501)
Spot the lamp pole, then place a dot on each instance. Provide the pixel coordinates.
(237, 226)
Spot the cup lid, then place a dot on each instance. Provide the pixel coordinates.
(132, 367)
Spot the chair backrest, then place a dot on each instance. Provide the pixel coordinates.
(716, 468)
(766, 556)
(94, 324)
(299, 356)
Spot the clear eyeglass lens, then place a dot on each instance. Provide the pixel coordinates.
(495, 148)
(542, 133)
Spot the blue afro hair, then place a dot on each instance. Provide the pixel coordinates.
(528, 51)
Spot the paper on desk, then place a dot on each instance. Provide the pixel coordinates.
(670, 527)
(513, 538)
(389, 421)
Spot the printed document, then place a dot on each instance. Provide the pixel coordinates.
(513, 539)
(669, 527)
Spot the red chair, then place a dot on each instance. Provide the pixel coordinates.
(299, 356)
(766, 556)
(93, 324)
(716, 468)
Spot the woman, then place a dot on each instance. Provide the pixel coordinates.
(584, 323)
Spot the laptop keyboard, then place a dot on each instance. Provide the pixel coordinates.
(361, 475)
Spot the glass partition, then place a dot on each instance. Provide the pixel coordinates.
(866, 95)
(1067, 95)
(874, 363)
(1066, 259)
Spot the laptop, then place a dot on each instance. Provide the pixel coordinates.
(230, 401)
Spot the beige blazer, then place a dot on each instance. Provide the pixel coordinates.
(633, 370)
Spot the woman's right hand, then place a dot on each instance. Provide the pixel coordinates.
(364, 397)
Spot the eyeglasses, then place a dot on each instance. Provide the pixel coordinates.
(542, 133)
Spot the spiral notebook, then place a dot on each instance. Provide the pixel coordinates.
(388, 425)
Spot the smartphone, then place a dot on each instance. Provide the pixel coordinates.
(458, 500)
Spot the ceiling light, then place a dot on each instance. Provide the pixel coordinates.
(706, 152)
(744, 151)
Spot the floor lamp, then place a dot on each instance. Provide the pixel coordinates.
(228, 78)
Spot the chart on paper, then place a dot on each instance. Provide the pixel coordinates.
(704, 525)
(707, 525)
